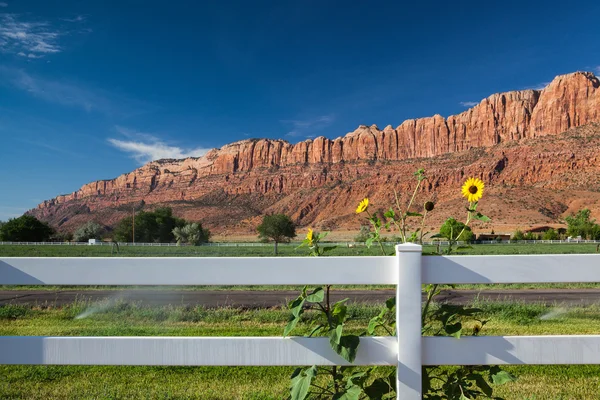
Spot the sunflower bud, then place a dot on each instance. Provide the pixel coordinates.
(429, 206)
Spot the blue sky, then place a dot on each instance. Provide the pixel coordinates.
(92, 89)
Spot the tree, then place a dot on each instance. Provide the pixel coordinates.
(452, 228)
(25, 229)
(518, 235)
(191, 234)
(276, 227)
(90, 230)
(550, 234)
(154, 226)
(581, 224)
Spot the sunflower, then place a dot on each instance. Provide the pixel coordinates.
(362, 206)
(473, 189)
(309, 235)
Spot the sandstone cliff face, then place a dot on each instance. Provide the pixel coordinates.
(278, 168)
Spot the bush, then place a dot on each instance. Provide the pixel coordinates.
(25, 229)
(90, 230)
(518, 235)
(192, 234)
(550, 234)
(155, 226)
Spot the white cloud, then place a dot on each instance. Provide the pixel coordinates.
(145, 147)
(3, 4)
(468, 103)
(79, 18)
(306, 127)
(597, 69)
(539, 86)
(29, 37)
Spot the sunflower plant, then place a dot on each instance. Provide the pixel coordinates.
(351, 383)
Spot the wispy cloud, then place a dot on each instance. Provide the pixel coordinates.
(72, 94)
(307, 127)
(539, 86)
(145, 147)
(79, 18)
(468, 103)
(36, 38)
(597, 69)
(3, 4)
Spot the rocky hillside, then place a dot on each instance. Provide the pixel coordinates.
(537, 147)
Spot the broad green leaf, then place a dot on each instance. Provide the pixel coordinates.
(335, 335)
(296, 306)
(352, 393)
(369, 242)
(413, 214)
(374, 323)
(437, 235)
(290, 326)
(500, 377)
(479, 216)
(482, 383)
(463, 397)
(315, 330)
(301, 381)
(316, 295)
(323, 235)
(348, 347)
(454, 329)
(379, 388)
(390, 303)
(338, 311)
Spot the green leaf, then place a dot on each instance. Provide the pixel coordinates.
(374, 323)
(338, 311)
(437, 235)
(379, 388)
(296, 306)
(335, 336)
(454, 329)
(413, 214)
(500, 377)
(479, 216)
(315, 330)
(290, 326)
(348, 347)
(352, 393)
(482, 383)
(369, 242)
(390, 213)
(323, 235)
(316, 295)
(390, 303)
(301, 381)
(463, 397)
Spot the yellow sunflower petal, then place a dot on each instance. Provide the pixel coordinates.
(473, 189)
(362, 206)
(309, 235)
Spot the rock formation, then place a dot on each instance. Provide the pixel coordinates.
(257, 176)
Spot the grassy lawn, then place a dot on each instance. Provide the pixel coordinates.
(126, 319)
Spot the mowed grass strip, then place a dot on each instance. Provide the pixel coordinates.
(130, 319)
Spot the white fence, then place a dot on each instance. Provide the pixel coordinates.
(409, 351)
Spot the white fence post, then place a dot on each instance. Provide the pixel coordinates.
(408, 321)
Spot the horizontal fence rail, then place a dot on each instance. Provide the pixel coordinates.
(294, 270)
(408, 351)
(293, 351)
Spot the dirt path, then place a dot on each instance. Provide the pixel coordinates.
(264, 298)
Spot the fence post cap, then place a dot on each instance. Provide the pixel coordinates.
(409, 247)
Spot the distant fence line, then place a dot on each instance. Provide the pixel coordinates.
(258, 244)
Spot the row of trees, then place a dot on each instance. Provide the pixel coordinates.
(158, 226)
(161, 226)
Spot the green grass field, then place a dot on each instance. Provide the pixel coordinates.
(105, 382)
